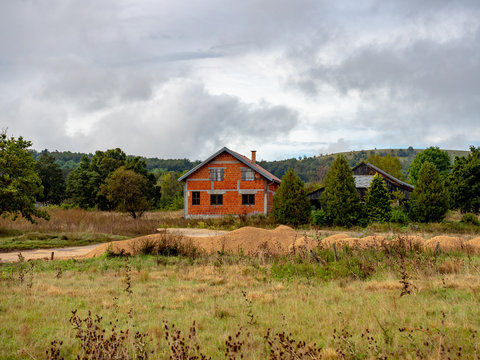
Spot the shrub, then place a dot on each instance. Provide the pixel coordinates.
(319, 218)
(470, 218)
(399, 216)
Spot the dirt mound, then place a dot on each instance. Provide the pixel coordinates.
(330, 240)
(246, 240)
(343, 240)
(475, 244)
(446, 243)
(250, 240)
(410, 240)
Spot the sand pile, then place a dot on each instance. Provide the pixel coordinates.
(475, 244)
(410, 240)
(330, 240)
(246, 240)
(446, 243)
(343, 240)
(249, 240)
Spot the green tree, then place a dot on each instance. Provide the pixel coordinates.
(465, 182)
(52, 179)
(83, 185)
(20, 185)
(127, 190)
(340, 199)
(439, 158)
(377, 202)
(290, 203)
(171, 192)
(388, 163)
(429, 201)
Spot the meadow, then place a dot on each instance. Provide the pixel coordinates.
(393, 302)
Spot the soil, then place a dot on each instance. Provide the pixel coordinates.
(246, 240)
(446, 243)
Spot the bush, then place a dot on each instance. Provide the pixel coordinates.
(398, 216)
(470, 218)
(319, 218)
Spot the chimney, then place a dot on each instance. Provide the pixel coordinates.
(254, 156)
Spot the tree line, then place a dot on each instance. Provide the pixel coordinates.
(111, 180)
(107, 180)
(439, 186)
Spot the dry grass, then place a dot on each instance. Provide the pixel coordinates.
(83, 221)
(345, 317)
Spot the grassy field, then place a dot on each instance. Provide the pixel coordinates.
(390, 303)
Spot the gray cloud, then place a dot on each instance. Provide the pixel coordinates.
(185, 120)
(143, 75)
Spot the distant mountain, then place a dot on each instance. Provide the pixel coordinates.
(310, 169)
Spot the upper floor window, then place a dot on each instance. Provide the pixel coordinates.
(216, 174)
(248, 174)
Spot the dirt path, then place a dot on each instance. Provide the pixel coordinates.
(69, 252)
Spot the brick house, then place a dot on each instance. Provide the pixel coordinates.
(228, 183)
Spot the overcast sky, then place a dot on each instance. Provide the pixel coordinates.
(176, 79)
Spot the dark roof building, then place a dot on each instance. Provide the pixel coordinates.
(363, 174)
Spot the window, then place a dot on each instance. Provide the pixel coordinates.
(195, 197)
(216, 174)
(216, 199)
(248, 199)
(248, 174)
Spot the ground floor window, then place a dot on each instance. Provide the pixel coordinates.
(248, 199)
(195, 197)
(216, 199)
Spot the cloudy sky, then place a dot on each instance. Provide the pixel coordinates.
(175, 79)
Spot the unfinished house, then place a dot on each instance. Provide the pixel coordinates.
(228, 183)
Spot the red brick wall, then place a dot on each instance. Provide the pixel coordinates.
(232, 200)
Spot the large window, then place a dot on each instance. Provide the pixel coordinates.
(195, 197)
(216, 199)
(248, 199)
(216, 174)
(248, 174)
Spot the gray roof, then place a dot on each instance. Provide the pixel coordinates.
(243, 159)
(363, 181)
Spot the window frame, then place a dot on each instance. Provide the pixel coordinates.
(216, 174)
(246, 199)
(214, 199)
(248, 174)
(195, 198)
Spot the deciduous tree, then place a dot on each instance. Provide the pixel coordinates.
(127, 190)
(439, 158)
(20, 185)
(388, 163)
(465, 182)
(52, 179)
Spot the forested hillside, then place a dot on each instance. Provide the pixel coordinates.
(309, 169)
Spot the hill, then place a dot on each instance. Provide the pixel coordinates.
(309, 169)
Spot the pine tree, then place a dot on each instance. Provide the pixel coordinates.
(429, 201)
(290, 203)
(377, 202)
(340, 199)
